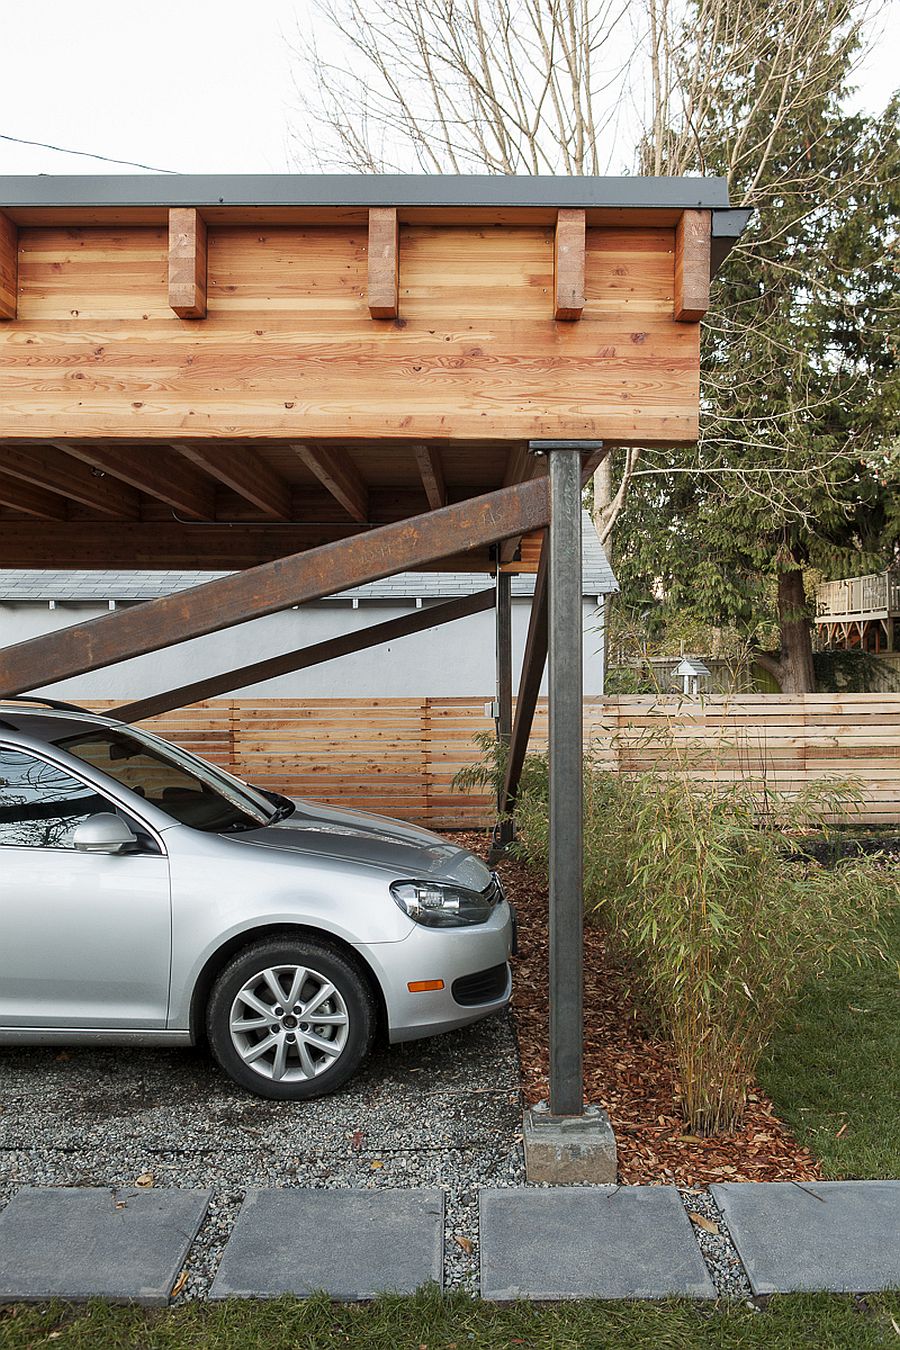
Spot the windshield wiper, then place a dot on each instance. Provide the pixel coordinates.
(284, 809)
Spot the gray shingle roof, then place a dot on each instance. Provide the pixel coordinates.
(20, 585)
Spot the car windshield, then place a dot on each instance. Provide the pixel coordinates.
(184, 787)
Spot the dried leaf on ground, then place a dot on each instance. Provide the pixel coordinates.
(179, 1284)
(627, 1072)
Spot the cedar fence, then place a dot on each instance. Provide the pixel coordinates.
(399, 756)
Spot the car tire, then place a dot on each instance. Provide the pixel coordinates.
(263, 1041)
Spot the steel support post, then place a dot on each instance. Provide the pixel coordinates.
(566, 785)
(503, 612)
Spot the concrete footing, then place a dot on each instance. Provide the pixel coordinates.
(565, 1150)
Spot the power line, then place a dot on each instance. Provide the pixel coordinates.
(86, 154)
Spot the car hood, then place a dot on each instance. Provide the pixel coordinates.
(374, 841)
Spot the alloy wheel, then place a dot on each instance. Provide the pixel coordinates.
(289, 1023)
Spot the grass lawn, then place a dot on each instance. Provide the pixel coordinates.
(787, 1323)
(834, 1069)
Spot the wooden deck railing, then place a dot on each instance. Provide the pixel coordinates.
(399, 756)
(874, 595)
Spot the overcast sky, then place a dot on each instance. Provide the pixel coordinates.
(196, 86)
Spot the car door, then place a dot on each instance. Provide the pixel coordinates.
(85, 938)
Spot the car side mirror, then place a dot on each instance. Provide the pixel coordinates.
(103, 833)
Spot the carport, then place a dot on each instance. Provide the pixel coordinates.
(321, 381)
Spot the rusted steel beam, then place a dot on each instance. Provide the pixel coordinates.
(529, 682)
(692, 270)
(345, 644)
(274, 586)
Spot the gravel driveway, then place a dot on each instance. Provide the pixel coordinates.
(443, 1112)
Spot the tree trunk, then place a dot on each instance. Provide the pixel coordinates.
(792, 667)
(603, 493)
(795, 666)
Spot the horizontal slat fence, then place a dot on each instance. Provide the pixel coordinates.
(399, 756)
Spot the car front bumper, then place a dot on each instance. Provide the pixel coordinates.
(448, 955)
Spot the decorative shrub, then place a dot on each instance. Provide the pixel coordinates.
(718, 912)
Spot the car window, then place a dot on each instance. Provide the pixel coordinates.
(41, 804)
(195, 797)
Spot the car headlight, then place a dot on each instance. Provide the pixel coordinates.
(443, 905)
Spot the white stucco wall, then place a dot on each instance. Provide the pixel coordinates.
(455, 659)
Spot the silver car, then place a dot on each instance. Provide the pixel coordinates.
(149, 898)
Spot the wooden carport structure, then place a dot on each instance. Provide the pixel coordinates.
(321, 381)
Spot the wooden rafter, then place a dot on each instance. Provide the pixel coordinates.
(428, 458)
(419, 621)
(9, 267)
(384, 263)
(160, 544)
(58, 473)
(30, 500)
(590, 463)
(187, 545)
(339, 475)
(187, 262)
(246, 473)
(692, 270)
(155, 470)
(521, 468)
(293, 580)
(568, 265)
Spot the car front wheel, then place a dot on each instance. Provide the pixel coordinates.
(290, 1019)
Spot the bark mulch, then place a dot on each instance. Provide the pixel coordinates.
(630, 1076)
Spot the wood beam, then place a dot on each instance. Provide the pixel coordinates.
(533, 664)
(345, 644)
(521, 467)
(568, 265)
(275, 586)
(431, 471)
(384, 263)
(591, 462)
(9, 267)
(187, 262)
(30, 500)
(692, 266)
(160, 545)
(195, 545)
(246, 473)
(339, 475)
(58, 473)
(155, 470)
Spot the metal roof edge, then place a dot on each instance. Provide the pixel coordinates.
(361, 190)
(727, 227)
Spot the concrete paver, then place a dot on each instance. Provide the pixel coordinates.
(830, 1236)
(589, 1242)
(353, 1244)
(96, 1242)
